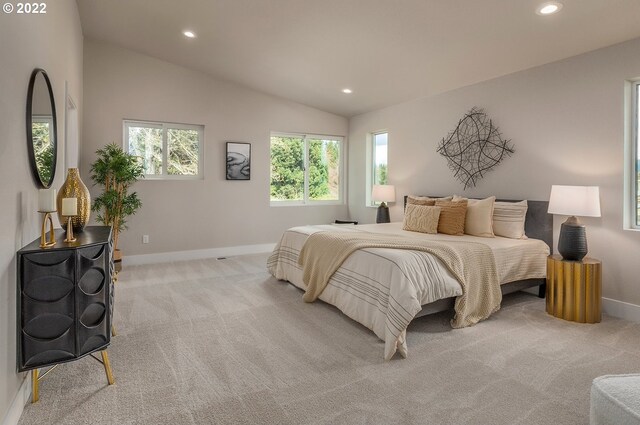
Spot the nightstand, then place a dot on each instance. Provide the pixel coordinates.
(574, 289)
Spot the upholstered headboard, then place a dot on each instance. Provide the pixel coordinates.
(538, 223)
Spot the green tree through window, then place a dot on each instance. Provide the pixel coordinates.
(183, 152)
(43, 148)
(287, 168)
(166, 150)
(288, 172)
(377, 168)
(380, 144)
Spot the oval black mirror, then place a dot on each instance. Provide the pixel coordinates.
(41, 129)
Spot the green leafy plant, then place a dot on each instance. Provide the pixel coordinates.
(116, 170)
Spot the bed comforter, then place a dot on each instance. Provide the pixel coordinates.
(384, 288)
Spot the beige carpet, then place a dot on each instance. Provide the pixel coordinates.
(221, 342)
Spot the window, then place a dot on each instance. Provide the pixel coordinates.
(306, 169)
(41, 129)
(378, 165)
(634, 163)
(168, 151)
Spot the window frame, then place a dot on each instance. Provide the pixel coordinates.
(42, 119)
(305, 201)
(371, 165)
(166, 126)
(631, 169)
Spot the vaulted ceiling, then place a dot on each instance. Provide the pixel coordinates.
(386, 51)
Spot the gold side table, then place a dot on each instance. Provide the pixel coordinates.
(574, 289)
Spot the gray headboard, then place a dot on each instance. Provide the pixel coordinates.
(538, 224)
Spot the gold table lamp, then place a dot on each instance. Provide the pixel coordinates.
(69, 210)
(47, 205)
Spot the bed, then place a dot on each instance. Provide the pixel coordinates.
(385, 289)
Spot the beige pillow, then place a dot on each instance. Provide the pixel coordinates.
(420, 200)
(508, 219)
(421, 218)
(452, 217)
(479, 218)
(425, 200)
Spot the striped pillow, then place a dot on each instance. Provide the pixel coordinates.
(452, 217)
(508, 219)
(421, 218)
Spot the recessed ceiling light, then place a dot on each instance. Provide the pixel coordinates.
(189, 34)
(549, 8)
(347, 91)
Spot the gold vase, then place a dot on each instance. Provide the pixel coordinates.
(73, 187)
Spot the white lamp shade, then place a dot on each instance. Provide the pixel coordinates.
(47, 200)
(69, 206)
(383, 193)
(583, 201)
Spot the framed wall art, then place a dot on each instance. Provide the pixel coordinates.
(474, 147)
(238, 161)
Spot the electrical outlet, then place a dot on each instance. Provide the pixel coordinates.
(145, 238)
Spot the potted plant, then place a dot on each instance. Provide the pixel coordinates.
(116, 170)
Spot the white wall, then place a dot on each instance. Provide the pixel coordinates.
(202, 214)
(566, 122)
(52, 42)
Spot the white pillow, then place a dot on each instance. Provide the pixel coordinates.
(508, 219)
(421, 218)
(479, 219)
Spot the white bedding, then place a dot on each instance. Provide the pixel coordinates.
(384, 288)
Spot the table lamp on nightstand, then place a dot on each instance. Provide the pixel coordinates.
(574, 201)
(383, 193)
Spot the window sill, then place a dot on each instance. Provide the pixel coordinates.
(172, 179)
(315, 204)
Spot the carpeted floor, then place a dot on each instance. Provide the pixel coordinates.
(222, 342)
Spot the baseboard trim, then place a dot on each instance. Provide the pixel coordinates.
(198, 254)
(621, 309)
(23, 396)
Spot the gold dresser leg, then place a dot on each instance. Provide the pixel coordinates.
(107, 367)
(34, 386)
(113, 330)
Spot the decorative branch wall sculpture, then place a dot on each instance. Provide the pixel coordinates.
(474, 147)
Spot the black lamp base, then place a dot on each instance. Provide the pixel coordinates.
(383, 214)
(572, 244)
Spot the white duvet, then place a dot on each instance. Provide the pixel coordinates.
(384, 288)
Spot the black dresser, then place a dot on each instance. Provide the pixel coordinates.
(65, 299)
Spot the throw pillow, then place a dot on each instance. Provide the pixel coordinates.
(425, 200)
(479, 218)
(420, 200)
(421, 218)
(452, 217)
(508, 219)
